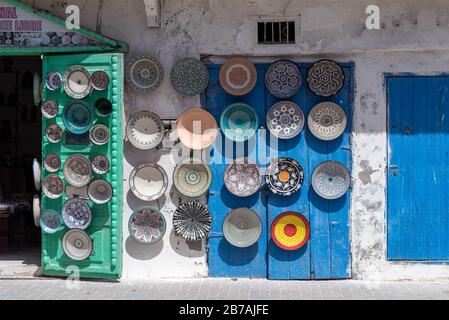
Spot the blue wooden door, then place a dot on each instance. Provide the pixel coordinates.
(418, 179)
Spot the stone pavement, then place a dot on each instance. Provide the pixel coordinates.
(205, 289)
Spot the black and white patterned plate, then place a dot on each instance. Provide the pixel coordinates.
(285, 120)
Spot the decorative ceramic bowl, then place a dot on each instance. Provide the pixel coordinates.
(326, 78)
(239, 122)
(290, 231)
(53, 186)
(283, 79)
(37, 89)
(197, 129)
(37, 173)
(242, 228)
(54, 133)
(100, 192)
(99, 135)
(243, 179)
(147, 225)
(331, 180)
(285, 120)
(103, 107)
(77, 245)
(100, 80)
(76, 214)
(189, 77)
(77, 83)
(144, 73)
(50, 221)
(50, 109)
(100, 164)
(53, 81)
(77, 170)
(145, 130)
(192, 221)
(327, 121)
(52, 162)
(148, 182)
(192, 178)
(36, 210)
(78, 117)
(284, 177)
(238, 76)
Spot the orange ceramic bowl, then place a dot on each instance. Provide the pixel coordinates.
(197, 129)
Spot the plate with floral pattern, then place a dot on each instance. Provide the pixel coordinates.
(243, 179)
(147, 225)
(76, 214)
(77, 171)
(327, 121)
(285, 120)
(285, 177)
(283, 79)
(331, 180)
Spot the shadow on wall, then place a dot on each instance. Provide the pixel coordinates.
(143, 252)
(188, 249)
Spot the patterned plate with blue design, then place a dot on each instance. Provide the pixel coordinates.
(283, 79)
(78, 117)
(76, 214)
(50, 221)
(285, 177)
(147, 225)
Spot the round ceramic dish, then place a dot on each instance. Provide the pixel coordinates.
(36, 210)
(327, 121)
(331, 180)
(77, 171)
(290, 231)
(197, 129)
(37, 173)
(77, 83)
(242, 228)
(53, 186)
(283, 79)
(100, 192)
(189, 77)
(100, 80)
(147, 225)
(99, 135)
(103, 107)
(50, 221)
(53, 81)
(50, 109)
(78, 117)
(148, 182)
(77, 245)
(238, 76)
(284, 177)
(100, 164)
(192, 221)
(285, 120)
(243, 179)
(144, 74)
(192, 178)
(53, 133)
(326, 78)
(52, 162)
(239, 122)
(37, 89)
(76, 214)
(145, 130)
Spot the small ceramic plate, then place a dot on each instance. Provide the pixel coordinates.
(77, 83)
(331, 180)
(148, 181)
(100, 164)
(100, 192)
(326, 78)
(147, 225)
(76, 214)
(50, 221)
(52, 163)
(238, 76)
(99, 135)
(78, 117)
(53, 81)
(100, 80)
(285, 120)
(192, 221)
(37, 89)
(189, 77)
(36, 210)
(54, 133)
(145, 130)
(144, 74)
(197, 129)
(77, 170)
(37, 173)
(290, 231)
(192, 178)
(243, 179)
(327, 121)
(53, 186)
(103, 107)
(242, 228)
(284, 177)
(283, 79)
(239, 122)
(77, 245)
(50, 109)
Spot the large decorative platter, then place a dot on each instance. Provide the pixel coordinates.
(144, 74)
(197, 129)
(50, 221)
(242, 228)
(147, 225)
(148, 181)
(52, 162)
(50, 109)
(327, 121)
(53, 81)
(189, 77)
(326, 78)
(100, 164)
(78, 117)
(290, 231)
(54, 133)
(285, 120)
(331, 180)
(76, 214)
(53, 186)
(239, 122)
(77, 83)
(37, 173)
(145, 130)
(238, 76)
(284, 177)
(36, 210)
(243, 179)
(283, 79)
(100, 192)
(99, 135)
(192, 221)
(77, 170)
(37, 89)
(192, 178)
(100, 80)
(77, 245)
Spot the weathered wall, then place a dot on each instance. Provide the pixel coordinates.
(414, 38)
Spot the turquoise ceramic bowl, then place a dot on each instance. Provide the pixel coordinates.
(239, 122)
(78, 117)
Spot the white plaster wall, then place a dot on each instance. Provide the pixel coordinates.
(414, 38)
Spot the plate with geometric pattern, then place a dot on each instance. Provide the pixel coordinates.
(147, 225)
(189, 77)
(283, 79)
(285, 120)
(331, 180)
(145, 130)
(192, 178)
(326, 78)
(327, 121)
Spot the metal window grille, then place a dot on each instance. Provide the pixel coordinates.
(276, 32)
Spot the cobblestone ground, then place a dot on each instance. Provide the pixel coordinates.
(205, 289)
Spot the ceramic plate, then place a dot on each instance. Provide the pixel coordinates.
(54, 133)
(238, 76)
(243, 179)
(103, 107)
(37, 173)
(50, 109)
(148, 182)
(284, 177)
(77, 245)
(100, 80)
(77, 83)
(147, 225)
(327, 121)
(331, 180)
(290, 231)
(53, 81)
(283, 79)
(197, 129)
(192, 178)
(50, 221)
(99, 135)
(189, 77)
(37, 89)
(52, 162)
(326, 78)
(239, 122)
(100, 164)
(192, 221)
(144, 73)
(242, 228)
(53, 186)
(36, 210)
(145, 130)
(100, 192)
(285, 120)
(76, 214)
(78, 117)
(77, 170)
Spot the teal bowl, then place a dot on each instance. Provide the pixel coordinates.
(239, 122)
(78, 117)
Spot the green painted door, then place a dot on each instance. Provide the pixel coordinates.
(105, 230)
